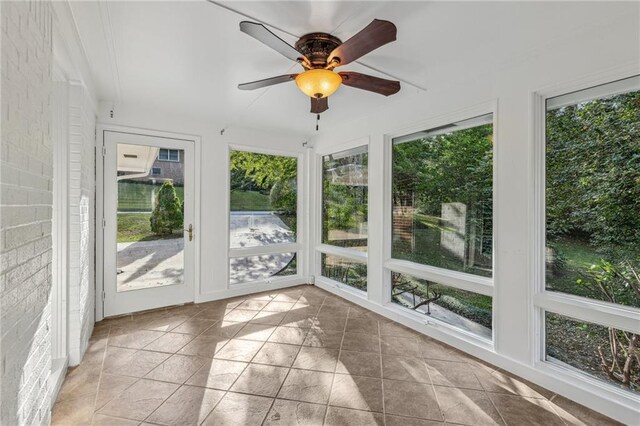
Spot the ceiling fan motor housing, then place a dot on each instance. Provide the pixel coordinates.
(317, 47)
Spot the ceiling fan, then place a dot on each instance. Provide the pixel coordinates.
(319, 54)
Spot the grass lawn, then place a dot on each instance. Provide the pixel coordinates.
(136, 197)
(249, 201)
(136, 227)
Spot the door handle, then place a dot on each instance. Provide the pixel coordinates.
(190, 231)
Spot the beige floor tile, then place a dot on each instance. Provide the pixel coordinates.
(225, 329)
(166, 322)
(307, 386)
(409, 421)
(360, 393)
(177, 369)
(73, 411)
(319, 338)
(239, 350)
(258, 332)
(521, 411)
(366, 326)
(217, 374)
(240, 315)
(289, 335)
(111, 386)
(278, 306)
(102, 420)
(295, 413)
(337, 416)
(405, 368)
(456, 374)
(276, 354)
(432, 349)
(138, 364)
(320, 359)
(328, 322)
(258, 379)
(467, 407)
(359, 364)
(411, 399)
(169, 343)
(238, 409)
(136, 339)
(253, 305)
(114, 356)
(80, 381)
(330, 311)
(403, 346)
(299, 319)
(361, 342)
(139, 400)
(575, 414)
(390, 328)
(189, 405)
(213, 313)
(194, 326)
(205, 346)
(269, 318)
(501, 382)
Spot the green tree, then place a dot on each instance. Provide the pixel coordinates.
(168, 212)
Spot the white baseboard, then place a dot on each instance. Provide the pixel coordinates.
(58, 373)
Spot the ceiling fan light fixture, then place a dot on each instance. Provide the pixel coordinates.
(318, 83)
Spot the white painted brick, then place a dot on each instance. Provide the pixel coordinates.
(25, 203)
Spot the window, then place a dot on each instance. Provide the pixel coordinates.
(593, 193)
(169, 154)
(460, 308)
(345, 197)
(155, 171)
(442, 197)
(263, 216)
(345, 189)
(592, 231)
(602, 352)
(442, 224)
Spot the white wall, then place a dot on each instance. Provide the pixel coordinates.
(212, 156)
(26, 199)
(611, 47)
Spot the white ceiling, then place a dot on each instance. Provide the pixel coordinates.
(188, 57)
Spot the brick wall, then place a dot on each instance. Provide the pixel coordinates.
(81, 221)
(26, 162)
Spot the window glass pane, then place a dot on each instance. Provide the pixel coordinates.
(442, 196)
(593, 193)
(163, 154)
(174, 155)
(599, 351)
(460, 308)
(263, 199)
(262, 267)
(345, 271)
(345, 190)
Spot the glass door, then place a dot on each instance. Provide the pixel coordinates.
(148, 224)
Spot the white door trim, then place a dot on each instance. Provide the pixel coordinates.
(101, 128)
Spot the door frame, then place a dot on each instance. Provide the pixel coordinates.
(101, 128)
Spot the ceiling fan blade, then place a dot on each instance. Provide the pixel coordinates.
(262, 34)
(370, 83)
(267, 82)
(376, 34)
(318, 106)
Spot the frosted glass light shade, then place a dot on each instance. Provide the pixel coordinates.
(318, 83)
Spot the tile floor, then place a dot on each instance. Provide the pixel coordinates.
(298, 356)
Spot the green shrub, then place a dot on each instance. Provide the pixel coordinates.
(168, 212)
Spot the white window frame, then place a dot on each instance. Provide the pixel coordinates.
(328, 249)
(450, 278)
(295, 247)
(169, 155)
(598, 312)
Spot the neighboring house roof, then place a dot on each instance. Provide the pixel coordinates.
(135, 160)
